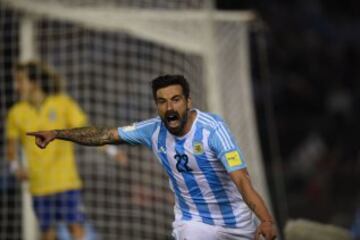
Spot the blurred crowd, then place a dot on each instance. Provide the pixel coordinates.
(313, 49)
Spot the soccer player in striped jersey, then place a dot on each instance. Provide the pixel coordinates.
(214, 195)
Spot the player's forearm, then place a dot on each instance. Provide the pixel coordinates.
(90, 136)
(11, 150)
(11, 156)
(250, 196)
(256, 204)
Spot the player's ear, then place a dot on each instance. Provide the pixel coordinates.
(189, 103)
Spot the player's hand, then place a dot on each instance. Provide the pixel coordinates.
(121, 158)
(43, 138)
(22, 174)
(267, 230)
(118, 155)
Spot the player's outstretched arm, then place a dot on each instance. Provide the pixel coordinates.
(90, 136)
(256, 204)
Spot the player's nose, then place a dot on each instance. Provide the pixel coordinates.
(169, 106)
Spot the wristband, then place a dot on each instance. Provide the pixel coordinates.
(111, 151)
(14, 166)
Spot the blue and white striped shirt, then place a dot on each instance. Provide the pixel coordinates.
(197, 165)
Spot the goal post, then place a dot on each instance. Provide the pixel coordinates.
(27, 51)
(107, 54)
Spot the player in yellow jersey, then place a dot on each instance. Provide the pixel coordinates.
(52, 174)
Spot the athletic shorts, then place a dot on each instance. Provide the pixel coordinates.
(192, 230)
(60, 207)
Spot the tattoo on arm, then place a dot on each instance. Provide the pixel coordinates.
(90, 136)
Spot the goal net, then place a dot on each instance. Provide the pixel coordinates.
(107, 51)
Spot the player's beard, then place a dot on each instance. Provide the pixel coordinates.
(182, 121)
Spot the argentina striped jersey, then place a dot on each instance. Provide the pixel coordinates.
(197, 165)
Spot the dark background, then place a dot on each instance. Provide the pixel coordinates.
(306, 77)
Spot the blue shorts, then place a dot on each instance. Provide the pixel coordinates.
(65, 207)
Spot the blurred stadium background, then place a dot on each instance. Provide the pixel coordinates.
(283, 73)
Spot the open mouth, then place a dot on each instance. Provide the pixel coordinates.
(172, 119)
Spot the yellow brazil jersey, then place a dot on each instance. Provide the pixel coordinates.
(53, 169)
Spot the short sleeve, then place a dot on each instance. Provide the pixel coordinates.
(223, 143)
(139, 133)
(74, 114)
(11, 128)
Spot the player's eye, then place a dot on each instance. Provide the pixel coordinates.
(177, 99)
(160, 101)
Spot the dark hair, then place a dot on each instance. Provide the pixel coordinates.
(40, 73)
(168, 80)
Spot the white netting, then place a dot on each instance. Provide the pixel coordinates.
(138, 4)
(107, 56)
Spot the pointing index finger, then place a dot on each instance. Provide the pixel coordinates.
(32, 134)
